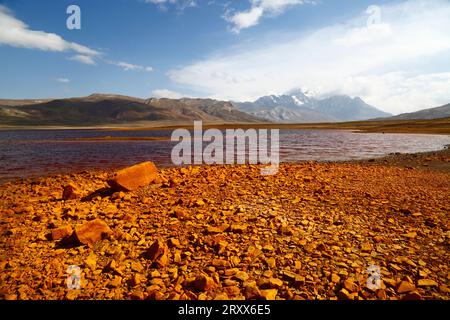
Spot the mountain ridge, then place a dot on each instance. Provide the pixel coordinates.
(101, 109)
(299, 106)
(424, 114)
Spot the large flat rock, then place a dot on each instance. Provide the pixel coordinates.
(134, 177)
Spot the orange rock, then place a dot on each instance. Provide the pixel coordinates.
(238, 228)
(427, 283)
(204, 283)
(181, 213)
(158, 253)
(92, 232)
(134, 177)
(269, 294)
(252, 291)
(70, 192)
(61, 232)
(412, 296)
(156, 250)
(350, 286)
(405, 286)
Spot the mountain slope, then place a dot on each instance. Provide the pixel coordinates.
(426, 114)
(98, 109)
(301, 107)
(344, 108)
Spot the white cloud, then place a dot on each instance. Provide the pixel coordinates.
(179, 4)
(397, 65)
(259, 8)
(165, 93)
(129, 66)
(83, 59)
(63, 80)
(16, 33)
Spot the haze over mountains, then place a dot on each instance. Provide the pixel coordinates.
(301, 107)
(109, 109)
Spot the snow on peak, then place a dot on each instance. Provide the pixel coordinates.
(297, 100)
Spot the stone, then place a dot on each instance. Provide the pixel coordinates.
(61, 232)
(335, 278)
(345, 295)
(158, 253)
(410, 235)
(174, 243)
(412, 296)
(232, 290)
(137, 295)
(405, 287)
(204, 283)
(286, 231)
(238, 228)
(381, 294)
(366, 247)
(156, 250)
(137, 266)
(271, 262)
(92, 231)
(115, 282)
(91, 261)
(71, 192)
(275, 283)
(251, 291)
(181, 213)
(427, 283)
(220, 263)
(134, 177)
(268, 294)
(242, 276)
(350, 286)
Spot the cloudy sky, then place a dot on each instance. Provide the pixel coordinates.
(393, 54)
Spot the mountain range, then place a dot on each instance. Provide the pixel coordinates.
(109, 109)
(101, 109)
(426, 114)
(301, 107)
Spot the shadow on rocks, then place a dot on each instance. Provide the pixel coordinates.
(102, 192)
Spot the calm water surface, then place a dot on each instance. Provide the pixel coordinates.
(31, 153)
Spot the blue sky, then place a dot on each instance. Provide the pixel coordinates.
(237, 50)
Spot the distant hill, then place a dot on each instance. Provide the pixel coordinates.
(105, 109)
(426, 114)
(301, 107)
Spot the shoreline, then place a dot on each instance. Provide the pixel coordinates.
(433, 126)
(227, 232)
(424, 160)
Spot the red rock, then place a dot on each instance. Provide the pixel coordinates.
(134, 177)
(61, 232)
(92, 231)
(70, 192)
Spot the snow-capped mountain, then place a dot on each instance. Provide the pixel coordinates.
(302, 106)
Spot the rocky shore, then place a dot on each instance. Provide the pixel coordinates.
(226, 232)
